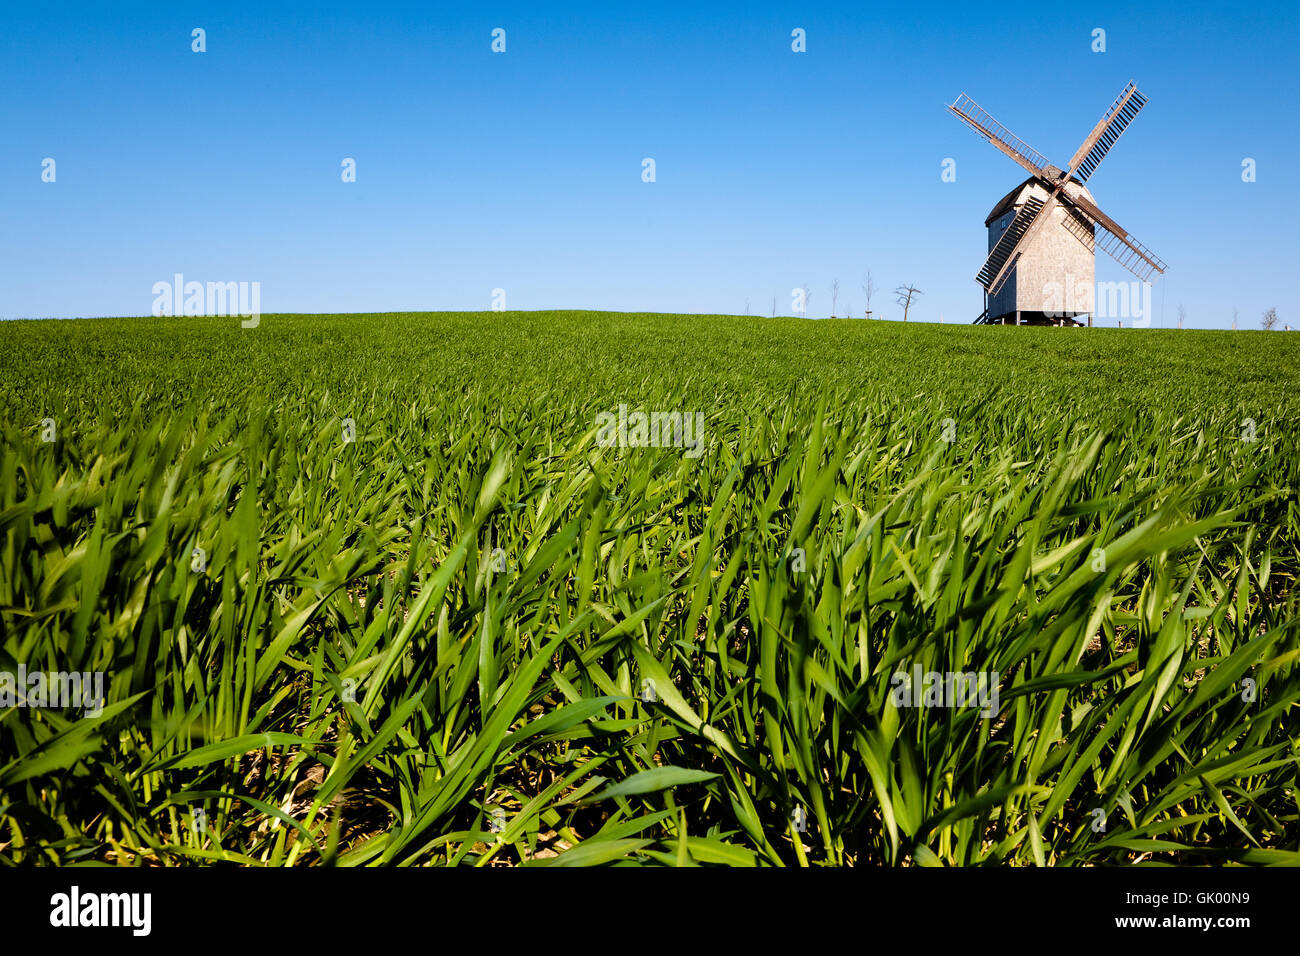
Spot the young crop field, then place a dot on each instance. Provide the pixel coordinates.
(427, 589)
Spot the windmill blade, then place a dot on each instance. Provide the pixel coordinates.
(1012, 242)
(1108, 129)
(970, 112)
(1116, 242)
(1130, 253)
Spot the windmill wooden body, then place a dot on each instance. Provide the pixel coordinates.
(1043, 235)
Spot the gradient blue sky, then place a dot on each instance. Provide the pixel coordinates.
(523, 170)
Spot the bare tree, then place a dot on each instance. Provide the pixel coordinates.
(835, 296)
(868, 289)
(905, 294)
(1269, 321)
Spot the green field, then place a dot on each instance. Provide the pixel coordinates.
(464, 631)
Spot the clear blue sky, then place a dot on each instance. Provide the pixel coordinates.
(522, 170)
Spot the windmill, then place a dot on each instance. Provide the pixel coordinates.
(1043, 235)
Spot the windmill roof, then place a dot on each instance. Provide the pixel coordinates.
(1008, 202)
(1005, 204)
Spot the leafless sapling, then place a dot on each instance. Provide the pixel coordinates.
(905, 294)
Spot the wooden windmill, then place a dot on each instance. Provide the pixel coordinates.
(1043, 235)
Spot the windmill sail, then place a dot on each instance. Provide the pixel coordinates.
(979, 120)
(1104, 135)
(1129, 253)
(995, 264)
(1117, 243)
